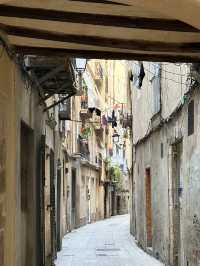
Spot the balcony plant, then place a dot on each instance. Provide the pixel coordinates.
(86, 132)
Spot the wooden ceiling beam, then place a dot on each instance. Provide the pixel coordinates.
(100, 31)
(145, 46)
(96, 19)
(82, 7)
(184, 10)
(92, 54)
(105, 2)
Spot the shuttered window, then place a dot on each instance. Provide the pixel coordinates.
(162, 150)
(191, 118)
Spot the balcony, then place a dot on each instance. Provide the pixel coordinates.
(127, 121)
(84, 113)
(84, 105)
(52, 75)
(65, 110)
(99, 132)
(84, 148)
(98, 75)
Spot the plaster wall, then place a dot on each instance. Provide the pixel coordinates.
(173, 87)
(89, 207)
(28, 111)
(148, 155)
(18, 103)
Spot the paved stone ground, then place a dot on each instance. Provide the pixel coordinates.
(105, 243)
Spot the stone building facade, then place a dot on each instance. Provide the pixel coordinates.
(52, 159)
(31, 149)
(165, 185)
(112, 81)
(20, 133)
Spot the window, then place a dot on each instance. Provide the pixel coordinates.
(191, 118)
(156, 86)
(63, 168)
(83, 181)
(162, 150)
(106, 85)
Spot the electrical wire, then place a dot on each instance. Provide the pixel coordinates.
(80, 121)
(147, 70)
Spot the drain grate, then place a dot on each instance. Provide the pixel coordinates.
(107, 249)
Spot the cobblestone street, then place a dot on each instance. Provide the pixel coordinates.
(105, 243)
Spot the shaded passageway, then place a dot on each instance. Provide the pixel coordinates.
(105, 243)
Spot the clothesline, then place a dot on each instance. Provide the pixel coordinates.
(175, 81)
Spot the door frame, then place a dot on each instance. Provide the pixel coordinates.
(175, 213)
(148, 207)
(73, 197)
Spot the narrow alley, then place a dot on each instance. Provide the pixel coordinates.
(99, 133)
(104, 243)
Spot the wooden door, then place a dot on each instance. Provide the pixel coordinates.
(148, 208)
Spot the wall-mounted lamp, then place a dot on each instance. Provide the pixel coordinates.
(81, 65)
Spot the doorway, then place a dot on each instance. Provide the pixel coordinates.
(49, 208)
(27, 194)
(176, 194)
(105, 200)
(52, 206)
(59, 240)
(113, 202)
(73, 199)
(148, 208)
(88, 199)
(118, 204)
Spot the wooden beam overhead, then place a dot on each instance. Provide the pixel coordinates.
(82, 7)
(105, 32)
(96, 19)
(100, 2)
(146, 46)
(184, 10)
(149, 29)
(92, 54)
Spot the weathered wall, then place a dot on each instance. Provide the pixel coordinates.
(7, 166)
(148, 155)
(18, 103)
(89, 183)
(28, 111)
(173, 87)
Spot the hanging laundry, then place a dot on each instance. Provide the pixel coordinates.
(98, 112)
(141, 75)
(91, 110)
(104, 121)
(109, 119)
(138, 75)
(114, 120)
(131, 77)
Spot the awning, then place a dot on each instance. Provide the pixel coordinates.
(122, 29)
